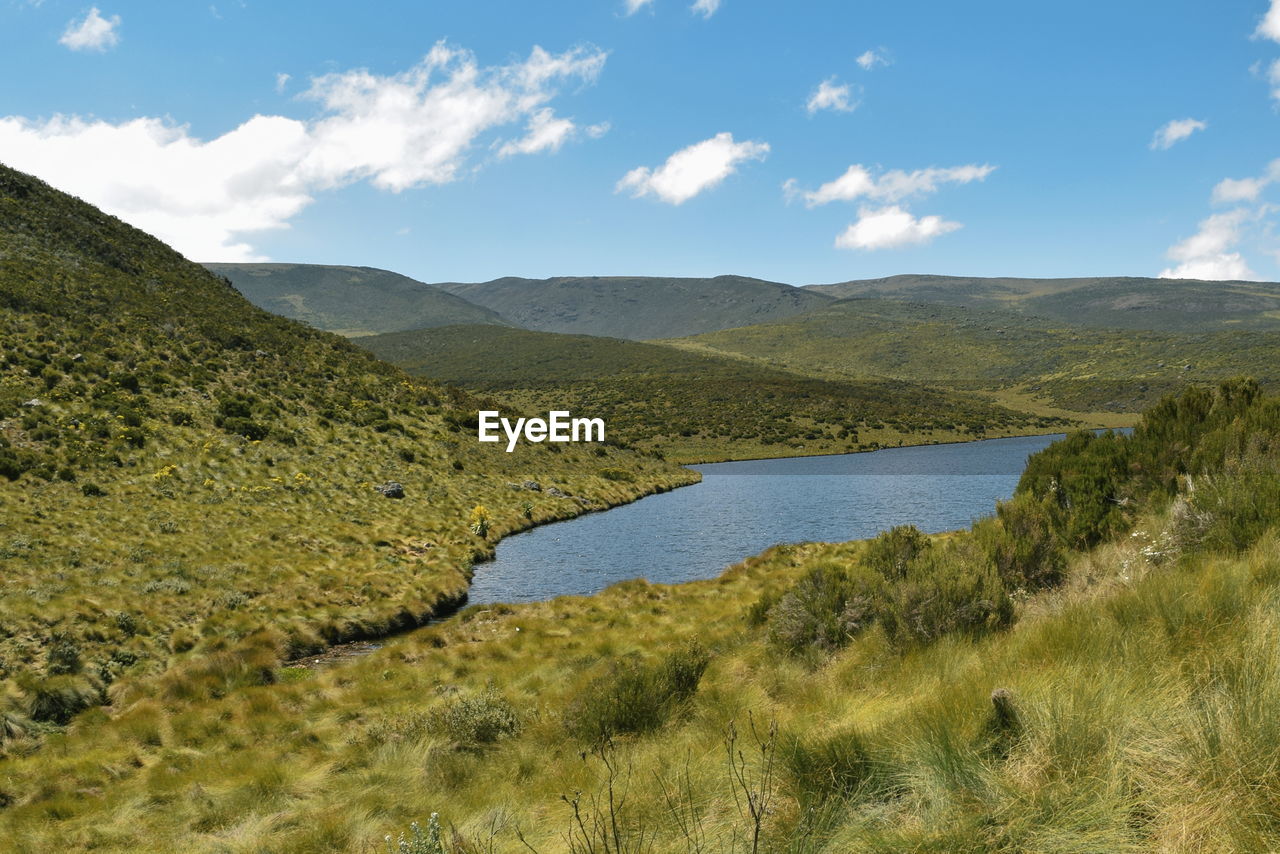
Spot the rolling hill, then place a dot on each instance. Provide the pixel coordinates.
(350, 300)
(1171, 305)
(637, 307)
(1019, 357)
(695, 407)
(192, 488)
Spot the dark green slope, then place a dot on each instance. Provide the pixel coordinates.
(1174, 305)
(692, 406)
(637, 307)
(350, 300)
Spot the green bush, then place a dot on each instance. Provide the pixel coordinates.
(473, 722)
(636, 697)
(892, 551)
(825, 609)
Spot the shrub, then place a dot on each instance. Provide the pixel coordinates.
(618, 475)
(892, 551)
(472, 722)
(63, 655)
(635, 697)
(825, 609)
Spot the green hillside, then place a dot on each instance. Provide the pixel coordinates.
(692, 406)
(1173, 305)
(637, 307)
(350, 300)
(1092, 669)
(1024, 360)
(189, 485)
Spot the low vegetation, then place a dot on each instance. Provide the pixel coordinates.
(193, 490)
(696, 407)
(1107, 685)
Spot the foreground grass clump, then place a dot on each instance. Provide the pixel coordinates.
(189, 486)
(1127, 707)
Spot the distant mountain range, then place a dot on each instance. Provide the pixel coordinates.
(357, 301)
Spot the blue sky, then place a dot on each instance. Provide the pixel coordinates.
(470, 140)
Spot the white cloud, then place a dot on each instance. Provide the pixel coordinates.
(282, 80)
(411, 129)
(858, 182)
(1273, 77)
(93, 32)
(890, 227)
(1206, 255)
(1231, 190)
(705, 8)
(634, 6)
(831, 95)
(692, 170)
(1174, 132)
(872, 58)
(546, 132)
(1269, 26)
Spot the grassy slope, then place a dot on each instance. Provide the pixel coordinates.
(195, 472)
(693, 407)
(1142, 691)
(1173, 305)
(1027, 362)
(637, 307)
(350, 300)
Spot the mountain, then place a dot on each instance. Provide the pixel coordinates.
(637, 307)
(189, 486)
(1171, 305)
(694, 407)
(1024, 359)
(350, 300)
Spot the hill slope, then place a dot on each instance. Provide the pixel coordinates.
(637, 307)
(999, 351)
(1175, 305)
(350, 300)
(694, 407)
(181, 472)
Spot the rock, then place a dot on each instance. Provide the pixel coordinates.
(533, 486)
(33, 402)
(391, 489)
(78, 357)
(556, 493)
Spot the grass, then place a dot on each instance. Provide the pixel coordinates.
(189, 482)
(697, 407)
(1129, 705)
(1026, 362)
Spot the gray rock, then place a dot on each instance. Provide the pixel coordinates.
(35, 401)
(556, 493)
(533, 486)
(391, 489)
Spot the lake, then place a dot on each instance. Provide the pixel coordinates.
(742, 508)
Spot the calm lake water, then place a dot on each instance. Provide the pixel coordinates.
(740, 509)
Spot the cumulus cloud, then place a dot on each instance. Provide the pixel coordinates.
(705, 8)
(894, 185)
(1232, 190)
(890, 227)
(92, 32)
(1269, 26)
(831, 95)
(398, 131)
(692, 170)
(1174, 132)
(634, 6)
(872, 58)
(1206, 254)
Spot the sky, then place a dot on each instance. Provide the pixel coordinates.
(801, 142)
